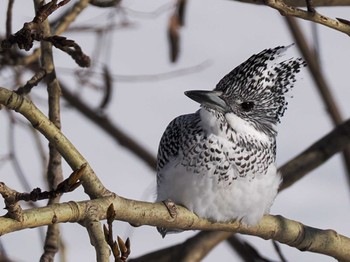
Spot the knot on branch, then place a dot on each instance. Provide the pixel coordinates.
(12, 197)
(24, 38)
(71, 48)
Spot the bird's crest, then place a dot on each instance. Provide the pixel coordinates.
(263, 79)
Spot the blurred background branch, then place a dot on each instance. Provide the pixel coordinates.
(21, 63)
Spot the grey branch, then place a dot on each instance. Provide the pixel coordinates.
(302, 3)
(341, 25)
(320, 82)
(281, 229)
(113, 130)
(316, 154)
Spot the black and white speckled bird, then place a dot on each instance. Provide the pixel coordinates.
(219, 162)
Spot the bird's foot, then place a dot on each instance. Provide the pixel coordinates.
(172, 209)
(171, 206)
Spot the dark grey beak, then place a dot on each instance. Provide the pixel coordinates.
(210, 99)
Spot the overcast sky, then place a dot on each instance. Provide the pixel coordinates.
(222, 34)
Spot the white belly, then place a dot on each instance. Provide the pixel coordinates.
(244, 199)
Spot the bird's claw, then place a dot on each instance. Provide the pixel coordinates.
(171, 206)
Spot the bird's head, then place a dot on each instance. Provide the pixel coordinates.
(255, 90)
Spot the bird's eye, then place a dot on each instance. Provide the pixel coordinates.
(247, 106)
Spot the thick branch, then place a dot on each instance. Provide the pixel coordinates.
(92, 185)
(286, 231)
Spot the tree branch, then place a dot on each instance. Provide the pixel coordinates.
(320, 82)
(54, 169)
(192, 250)
(336, 140)
(114, 131)
(92, 185)
(303, 2)
(62, 26)
(316, 154)
(286, 10)
(286, 231)
(97, 238)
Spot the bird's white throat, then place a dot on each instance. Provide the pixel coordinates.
(241, 126)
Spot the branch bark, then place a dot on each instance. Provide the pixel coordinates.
(97, 238)
(303, 2)
(54, 169)
(340, 25)
(92, 185)
(286, 231)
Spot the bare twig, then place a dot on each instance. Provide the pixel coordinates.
(150, 77)
(64, 21)
(35, 30)
(68, 17)
(96, 235)
(107, 89)
(316, 154)
(71, 183)
(54, 170)
(303, 2)
(24, 37)
(9, 18)
(246, 251)
(92, 185)
(103, 122)
(71, 48)
(174, 37)
(278, 251)
(321, 83)
(152, 14)
(32, 82)
(104, 3)
(310, 6)
(315, 17)
(119, 248)
(45, 10)
(193, 249)
(175, 22)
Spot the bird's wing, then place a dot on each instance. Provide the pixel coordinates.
(174, 138)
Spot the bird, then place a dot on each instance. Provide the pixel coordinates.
(219, 162)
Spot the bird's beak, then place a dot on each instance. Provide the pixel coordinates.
(210, 99)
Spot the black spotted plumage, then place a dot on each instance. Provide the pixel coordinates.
(260, 80)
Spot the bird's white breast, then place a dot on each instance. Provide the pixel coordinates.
(244, 200)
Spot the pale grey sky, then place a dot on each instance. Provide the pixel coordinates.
(225, 33)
